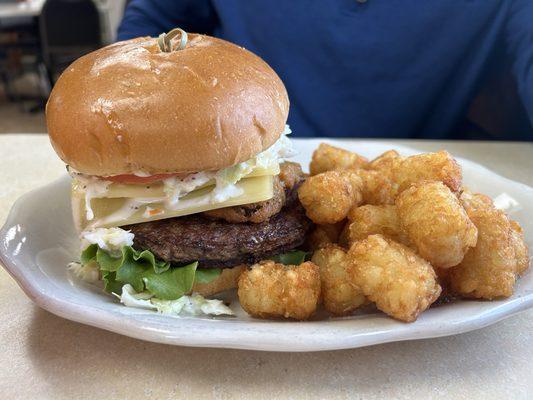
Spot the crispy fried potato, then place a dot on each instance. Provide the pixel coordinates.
(520, 248)
(471, 200)
(389, 174)
(271, 290)
(436, 223)
(370, 220)
(323, 235)
(378, 187)
(340, 294)
(329, 158)
(488, 270)
(401, 283)
(327, 197)
(357, 185)
(440, 166)
(385, 161)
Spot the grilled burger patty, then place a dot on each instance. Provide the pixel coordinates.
(218, 243)
(234, 235)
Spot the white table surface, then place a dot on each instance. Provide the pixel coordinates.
(28, 8)
(46, 357)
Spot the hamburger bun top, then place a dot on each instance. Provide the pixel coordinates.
(130, 107)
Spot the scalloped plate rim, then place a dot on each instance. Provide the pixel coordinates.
(308, 340)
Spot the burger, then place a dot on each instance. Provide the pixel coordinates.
(176, 147)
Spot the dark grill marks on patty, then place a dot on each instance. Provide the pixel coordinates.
(218, 243)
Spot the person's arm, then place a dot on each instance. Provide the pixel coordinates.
(152, 17)
(519, 40)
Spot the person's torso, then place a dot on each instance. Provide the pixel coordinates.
(379, 68)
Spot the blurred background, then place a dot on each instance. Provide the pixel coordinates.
(40, 38)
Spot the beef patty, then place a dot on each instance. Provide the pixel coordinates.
(218, 243)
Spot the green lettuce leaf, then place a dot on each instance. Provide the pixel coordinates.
(132, 272)
(109, 263)
(294, 257)
(172, 284)
(89, 254)
(143, 271)
(207, 275)
(111, 284)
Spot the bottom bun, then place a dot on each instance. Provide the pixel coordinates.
(225, 281)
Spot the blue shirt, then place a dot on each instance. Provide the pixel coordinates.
(375, 68)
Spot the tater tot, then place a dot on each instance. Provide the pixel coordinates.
(440, 166)
(323, 235)
(357, 185)
(401, 283)
(490, 269)
(271, 290)
(340, 294)
(327, 197)
(385, 161)
(377, 188)
(520, 248)
(436, 223)
(471, 200)
(370, 220)
(329, 158)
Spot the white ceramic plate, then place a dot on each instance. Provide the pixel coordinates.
(38, 240)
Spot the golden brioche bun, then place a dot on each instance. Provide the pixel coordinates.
(129, 107)
(225, 281)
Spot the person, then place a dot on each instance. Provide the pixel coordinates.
(371, 68)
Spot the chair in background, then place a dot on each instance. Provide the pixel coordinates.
(69, 29)
(20, 53)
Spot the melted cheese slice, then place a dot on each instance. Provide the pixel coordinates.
(126, 210)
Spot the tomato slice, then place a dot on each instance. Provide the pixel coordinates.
(130, 179)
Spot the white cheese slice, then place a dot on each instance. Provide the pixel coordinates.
(156, 189)
(125, 211)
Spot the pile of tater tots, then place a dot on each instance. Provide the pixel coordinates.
(397, 232)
